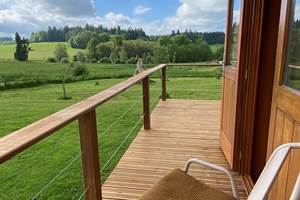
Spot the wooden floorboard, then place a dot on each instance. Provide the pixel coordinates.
(180, 130)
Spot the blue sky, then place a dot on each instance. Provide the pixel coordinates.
(159, 8)
(156, 17)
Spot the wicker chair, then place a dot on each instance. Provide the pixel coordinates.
(179, 185)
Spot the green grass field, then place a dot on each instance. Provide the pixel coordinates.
(28, 74)
(40, 51)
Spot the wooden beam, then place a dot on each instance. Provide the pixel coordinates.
(164, 84)
(90, 155)
(146, 98)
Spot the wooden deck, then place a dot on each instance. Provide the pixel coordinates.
(180, 130)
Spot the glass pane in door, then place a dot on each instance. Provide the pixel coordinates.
(235, 32)
(292, 71)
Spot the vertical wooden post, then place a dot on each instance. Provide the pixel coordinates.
(163, 84)
(146, 98)
(90, 156)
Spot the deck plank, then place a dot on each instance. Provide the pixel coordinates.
(180, 130)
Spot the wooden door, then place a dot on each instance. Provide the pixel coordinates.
(230, 80)
(285, 113)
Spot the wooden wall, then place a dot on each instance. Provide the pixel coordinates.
(286, 129)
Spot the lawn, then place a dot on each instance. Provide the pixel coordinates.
(25, 175)
(215, 47)
(28, 74)
(40, 51)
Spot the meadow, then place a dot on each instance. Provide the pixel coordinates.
(31, 90)
(39, 51)
(28, 74)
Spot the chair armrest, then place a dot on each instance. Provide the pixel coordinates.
(217, 168)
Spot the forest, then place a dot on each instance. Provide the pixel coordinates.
(117, 45)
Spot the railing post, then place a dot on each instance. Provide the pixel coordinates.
(90, 155)
(163, 84)
(146, 97)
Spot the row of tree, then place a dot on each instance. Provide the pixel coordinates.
(177, 48)
(66, 33)
(78, 37)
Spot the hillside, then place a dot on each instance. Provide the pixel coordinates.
(40, 51)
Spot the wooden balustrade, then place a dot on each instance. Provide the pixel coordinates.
(146, 103)
(90, 155)
(164, 84)
(85, 113)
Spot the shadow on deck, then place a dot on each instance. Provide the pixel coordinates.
(180, 130)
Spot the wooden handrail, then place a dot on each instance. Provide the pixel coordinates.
(193, 65)
(24, 138)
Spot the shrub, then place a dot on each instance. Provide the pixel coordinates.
(60, 52)
(64, 60)
(80, 57)
(123, 56)
(51, 60)
(93, 60)
(132, 60)
(75, 58)
(118, 61)
(113, 56)
(104, 60)
(79, 69)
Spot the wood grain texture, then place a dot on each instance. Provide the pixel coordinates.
(180, 130)
(146, 103)
(90, 155)
(164, 83)
(285, 114)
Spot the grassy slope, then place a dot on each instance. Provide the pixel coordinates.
(215, 47)
(40, 51)
(23, 176)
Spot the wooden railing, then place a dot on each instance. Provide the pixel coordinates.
(85, 113)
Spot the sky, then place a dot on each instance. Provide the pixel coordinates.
(156, 17)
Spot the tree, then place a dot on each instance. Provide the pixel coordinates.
(118, 40)
(161, 54)
(91, 48)
(181, 40)
(21, 53)
(219, 54)
(123, 56)
(103, 50)
(60, 52)
(113, 56)
(165, 40)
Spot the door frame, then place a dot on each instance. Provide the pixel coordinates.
(248, 55)
(263, 52)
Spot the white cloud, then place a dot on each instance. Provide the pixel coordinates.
(140, 9)
(198, 15)
(25, 16)
(297, 12)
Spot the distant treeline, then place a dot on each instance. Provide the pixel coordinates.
(66, 34)
(117, 45)
(6, 39)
